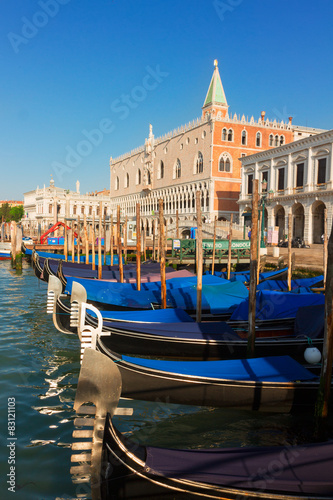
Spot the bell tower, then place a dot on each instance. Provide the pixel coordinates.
(215, 99)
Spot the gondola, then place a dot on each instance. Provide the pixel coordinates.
(119, 468)
(171, 333)
(274, 383)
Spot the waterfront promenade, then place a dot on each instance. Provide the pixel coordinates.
(305, 258)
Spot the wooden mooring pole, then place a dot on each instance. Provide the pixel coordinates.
(325, 246)
(229, 248)
(253, 272)
(111, 239)
(100, 241)
(86, 239)
(322, 405)
(78, 238)
(120, 256)
(162, 253)
(138, 248)
(214, 246)
(93, 242)
(290, 221)
(199, 256)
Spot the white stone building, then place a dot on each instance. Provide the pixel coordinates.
(39, 206)
(296, 177)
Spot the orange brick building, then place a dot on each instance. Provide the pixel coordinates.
(202, 155)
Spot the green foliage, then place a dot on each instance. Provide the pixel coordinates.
(16, 213)
(9, 214)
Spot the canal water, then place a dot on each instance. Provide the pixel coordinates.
(39, 369)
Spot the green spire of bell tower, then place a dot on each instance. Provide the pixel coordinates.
(215, 94)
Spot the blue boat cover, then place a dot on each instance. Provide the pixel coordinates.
(304, 470)
(273, 305)
(168, 315)
(282, 285)
(269, 369)
(217, 298)
(114, 287)
(244, 276)
(310, 321)
(213, 330)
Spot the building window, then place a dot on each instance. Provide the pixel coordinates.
(258, 139)
(224, 134)
(50, 208)
(196, 141)
(126, 183)
(138, 177)
(282, 140)
(224, 164)
(82, 210)
(74, 210)
(116, 184)
(300, 175)
(271, 140)
(188, 140)
(204, 134)
(243, 155)
(199, 163)
(181, 146)
(250, 184)
(230, 135)
(264, 181)
(148, 178)
(178, 169)
(321, 178)
(90, 210)
(281, 179)
(276, 143)
(160, 171)
(244, 138)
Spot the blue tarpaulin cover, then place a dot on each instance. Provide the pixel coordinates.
(244, 276)
(168, 315)
(273, 305)
(269, 369)
(216, 298)
(282, 285)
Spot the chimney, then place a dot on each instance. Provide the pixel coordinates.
(263, 116)
(290, 119)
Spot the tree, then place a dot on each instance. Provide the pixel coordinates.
(16, 213)
(5, 212)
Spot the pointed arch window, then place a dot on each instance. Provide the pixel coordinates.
(161, 170)
(126, 180)
(138, 177)
(281, 140)
(116, 183)
(258, 139)
(199, 163)
(148, 177)
(178, 169)
(225, 163)
(224, 134)
(244, 138)
(230, 135)
(276, 143)
(271, 140)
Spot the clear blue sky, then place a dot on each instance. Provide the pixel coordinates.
(68, 65)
